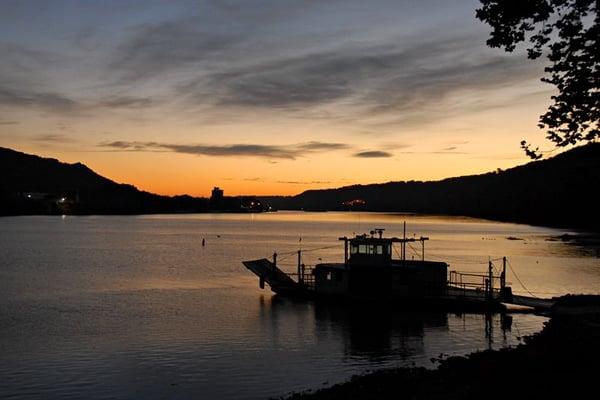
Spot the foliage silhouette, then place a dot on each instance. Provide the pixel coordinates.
(568, 31)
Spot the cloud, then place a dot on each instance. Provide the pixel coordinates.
(396, 80)
(373, 154)
(41, 100)
(407, 84)
(53, 138)
(316, 60)
(61, 104)
(152, 49)
(317, 146)
(289, 152)
(36, 79)
(25, 80)
(126, 102)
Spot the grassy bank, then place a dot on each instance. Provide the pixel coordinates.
(562, 361)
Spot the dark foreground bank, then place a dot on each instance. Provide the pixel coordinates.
(562, 361)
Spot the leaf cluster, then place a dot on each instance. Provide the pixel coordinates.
(567, 32)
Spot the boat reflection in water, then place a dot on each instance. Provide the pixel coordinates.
(384, 336)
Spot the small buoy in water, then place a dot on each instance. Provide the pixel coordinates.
(218, 236)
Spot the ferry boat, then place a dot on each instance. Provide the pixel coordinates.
(370, 272)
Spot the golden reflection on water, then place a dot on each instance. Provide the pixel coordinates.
(80, 254)
(545, 267)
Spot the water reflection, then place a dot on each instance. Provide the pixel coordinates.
(378, 335)
(125, 307)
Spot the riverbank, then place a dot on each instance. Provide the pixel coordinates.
(559, 362)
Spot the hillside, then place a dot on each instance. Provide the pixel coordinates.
(559, 191)
(34, 185)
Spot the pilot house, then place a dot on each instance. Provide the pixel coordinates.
(370, 270)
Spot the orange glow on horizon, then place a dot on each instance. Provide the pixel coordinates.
(462, 145)
(177, 174)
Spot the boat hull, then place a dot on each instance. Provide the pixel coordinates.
(448, 297)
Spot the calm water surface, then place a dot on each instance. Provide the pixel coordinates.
(129, 307)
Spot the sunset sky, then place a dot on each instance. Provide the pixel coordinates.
(264, 97)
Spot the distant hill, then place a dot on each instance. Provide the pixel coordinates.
(34, 185)
(560, 191)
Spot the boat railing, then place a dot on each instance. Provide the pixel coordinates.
(308, 277)
(473, 284)
(305, 277)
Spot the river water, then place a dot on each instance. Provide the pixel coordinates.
(135, 307)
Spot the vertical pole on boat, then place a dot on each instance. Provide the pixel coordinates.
(503, 275)
(274, 261)
(490, 280)
(300, 277)
(345, 250)
(404, 244)
(422, 249)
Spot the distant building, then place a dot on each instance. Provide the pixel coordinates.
(217, 194)
(220, 203)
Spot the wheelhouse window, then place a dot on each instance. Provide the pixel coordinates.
(379, 249)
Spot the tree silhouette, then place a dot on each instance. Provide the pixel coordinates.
(568, 33)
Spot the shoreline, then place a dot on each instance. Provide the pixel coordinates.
(582, 231)
(560, 361)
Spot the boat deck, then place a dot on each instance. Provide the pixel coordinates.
(459, 296)
(268, 272)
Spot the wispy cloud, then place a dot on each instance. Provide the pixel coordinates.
(311, 60)
(373, 154)
(61, 104)
(53, 138)
(126, 102)
(289, 152)
(403, 84)
(321, 146)
(151, 49)
(402, 80)
(42, 100)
